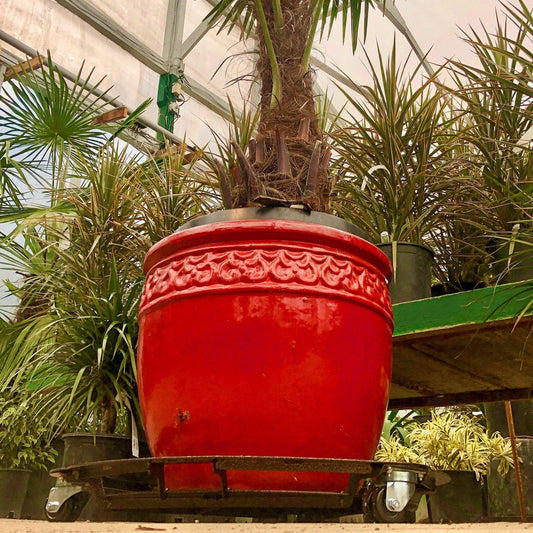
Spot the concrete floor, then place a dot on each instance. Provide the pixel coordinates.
(34, 526)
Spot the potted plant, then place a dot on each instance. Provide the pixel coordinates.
(261, 327)
(24, 448)
(495, 97)
(79, 249)
(395, 169)
(458, 240)
(75, 327)
(457, 443)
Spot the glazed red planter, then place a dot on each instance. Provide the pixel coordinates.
(264, 338)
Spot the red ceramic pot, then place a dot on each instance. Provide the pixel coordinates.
(264, 338)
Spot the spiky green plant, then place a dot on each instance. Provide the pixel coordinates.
(394, 154)
(458, 239)
(497, 109)
(171, 190)
(47, 121)
(495, 98)
(75, 334)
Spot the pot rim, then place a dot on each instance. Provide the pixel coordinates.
(95, 435)
(276, 213)
(227, 232)
(404, 243)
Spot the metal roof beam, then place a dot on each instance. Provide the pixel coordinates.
(115, 33)
(173, 39)
(195, 37)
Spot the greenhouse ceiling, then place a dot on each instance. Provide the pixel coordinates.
(134, 44)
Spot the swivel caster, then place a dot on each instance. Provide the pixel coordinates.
(67, 510)
(375, 509)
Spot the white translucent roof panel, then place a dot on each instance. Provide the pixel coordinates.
(196, 123)
(196, 12)
(435, 25)
(145, 20)
(218, 58)
(45, 25)
(217, 66)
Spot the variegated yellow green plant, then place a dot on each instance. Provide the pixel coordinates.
(449, 441)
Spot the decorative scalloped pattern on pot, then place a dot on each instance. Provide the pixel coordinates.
(283, 270)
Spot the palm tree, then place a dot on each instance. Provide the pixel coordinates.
(288, 160)
(75, 332)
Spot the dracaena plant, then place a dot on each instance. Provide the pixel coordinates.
(101, 207)
(458, 240)
(171, 190)
(78, 346)
(497, 105)
(496, 101)
(393, 154)
(287, 162)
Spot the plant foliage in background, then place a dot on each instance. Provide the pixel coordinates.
(394, 164)
(496, 102)
(80, 252)
(23, 438)
(449, 441)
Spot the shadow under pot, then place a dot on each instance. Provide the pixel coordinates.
(411, 265)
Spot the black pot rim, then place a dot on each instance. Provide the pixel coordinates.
(276, 213)
(404, 243)
(95, 435)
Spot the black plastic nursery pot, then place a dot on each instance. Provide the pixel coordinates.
(83, 448)
(13, 487)
(87, 448)
(463, 499)
(411, 271)
(522, 418)
(515, 266)
(39, 487)
(502, 492)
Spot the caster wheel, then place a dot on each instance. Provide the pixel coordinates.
(375, 509)
(69, 511)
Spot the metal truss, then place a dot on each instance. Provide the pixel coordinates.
(176, 49)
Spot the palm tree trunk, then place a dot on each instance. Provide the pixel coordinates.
(288, 162)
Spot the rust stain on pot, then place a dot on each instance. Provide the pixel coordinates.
(182, 417)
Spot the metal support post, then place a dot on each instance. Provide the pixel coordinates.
(516, 461)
